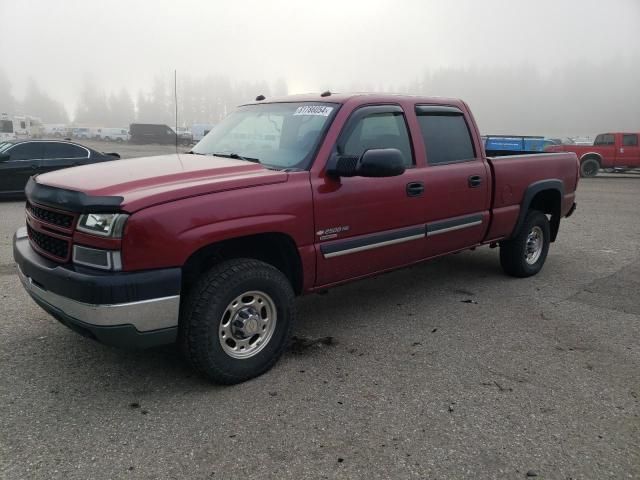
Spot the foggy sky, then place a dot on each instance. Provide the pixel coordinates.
(313, 45)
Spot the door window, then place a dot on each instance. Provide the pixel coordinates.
(27, 151)
(378, 130)
(64, 150)
(630, 140)
(446, 137)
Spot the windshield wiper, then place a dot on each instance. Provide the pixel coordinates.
(235, 156)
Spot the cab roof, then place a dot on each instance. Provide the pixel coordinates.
(358, 97)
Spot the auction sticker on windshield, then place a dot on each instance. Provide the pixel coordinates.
(321, 110)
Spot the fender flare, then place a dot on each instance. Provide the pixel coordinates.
(529, 194)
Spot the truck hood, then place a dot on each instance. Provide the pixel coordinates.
(146, 181)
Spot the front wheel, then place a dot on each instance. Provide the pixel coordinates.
(525, 254)
(589, 167)
(237, 320)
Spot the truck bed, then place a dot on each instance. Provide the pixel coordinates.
(513, 174)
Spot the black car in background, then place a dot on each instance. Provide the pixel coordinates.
(19, 160)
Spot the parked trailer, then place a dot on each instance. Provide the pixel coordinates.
(6, 128)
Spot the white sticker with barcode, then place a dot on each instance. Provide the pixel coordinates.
(321, 110)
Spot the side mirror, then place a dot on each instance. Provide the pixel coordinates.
(4, 157)
(377, 162)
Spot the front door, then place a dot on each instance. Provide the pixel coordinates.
(365, 225)
(23, 162)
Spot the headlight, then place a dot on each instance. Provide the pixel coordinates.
(103, 224)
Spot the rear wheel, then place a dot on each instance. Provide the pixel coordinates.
(237, 320)
(525, 254)
(589, 167)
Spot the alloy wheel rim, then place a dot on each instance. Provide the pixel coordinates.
(247, 324)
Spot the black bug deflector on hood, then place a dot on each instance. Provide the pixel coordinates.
(70, 200)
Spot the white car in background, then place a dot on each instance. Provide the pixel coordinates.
(58, 130)
(112, 134)
(199, 130)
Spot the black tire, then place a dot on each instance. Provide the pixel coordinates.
(514, 253)
(589, 167)
(202, 315)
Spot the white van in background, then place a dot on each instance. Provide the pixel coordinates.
(56, 130)
(199, 130)
(82, 133)
(112, 134)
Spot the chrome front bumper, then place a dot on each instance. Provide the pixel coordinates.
(128, 309)
(144, 315)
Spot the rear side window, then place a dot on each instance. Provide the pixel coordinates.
(605, 139)
(378, 130)
(64, 150)
(630, 140)
(27, 151)
(446, 136)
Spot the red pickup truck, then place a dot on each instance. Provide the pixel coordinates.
(609, 150)
(282, 198)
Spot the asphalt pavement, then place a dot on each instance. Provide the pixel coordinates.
(447, 370)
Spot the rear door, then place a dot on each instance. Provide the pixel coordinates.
(59, 155)
(628, 154)
(606, 147)
(365, 225)
(22, 163)
(457, 180)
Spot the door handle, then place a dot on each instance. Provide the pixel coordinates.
(475, 181)
(415, 189)
(34, 167)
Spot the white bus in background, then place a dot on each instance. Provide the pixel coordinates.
(199, 130)
(26, 126)
(112, 134)
(6, 128)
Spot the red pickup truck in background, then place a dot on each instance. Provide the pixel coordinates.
(284, 197)
(609, 150)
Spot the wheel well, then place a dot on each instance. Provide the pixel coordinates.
(276, 249)
(549, 202)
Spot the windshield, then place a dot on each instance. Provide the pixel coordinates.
(6, 126)
(4, 146)
(278, 135)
